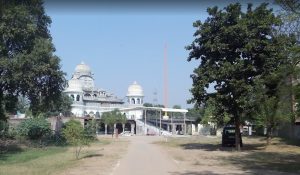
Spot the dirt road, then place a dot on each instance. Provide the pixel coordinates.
(145, 158)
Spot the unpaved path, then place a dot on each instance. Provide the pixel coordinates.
(145, 158)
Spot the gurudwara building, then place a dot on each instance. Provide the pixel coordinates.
(88, 100)
(91, 102)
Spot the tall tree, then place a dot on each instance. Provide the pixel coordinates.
(290, 15)
(292, 6)
(234, 49)
(27, 63)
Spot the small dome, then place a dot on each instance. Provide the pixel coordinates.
(83, 69)
(74, 85)
(135, 90)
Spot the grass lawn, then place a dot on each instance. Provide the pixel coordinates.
(37, 161)
(207, 154)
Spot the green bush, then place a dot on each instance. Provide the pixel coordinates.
(34, 128)
(75, 135)
(91, 129)
(3, 128)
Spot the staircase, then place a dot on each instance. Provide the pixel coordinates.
(150, 128)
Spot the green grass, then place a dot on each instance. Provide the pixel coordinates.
(24, 155)
(34, 161)
(49, 160)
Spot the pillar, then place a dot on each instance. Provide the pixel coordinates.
(173, 129)
(105, 129)
(132, 128)
(123, 126)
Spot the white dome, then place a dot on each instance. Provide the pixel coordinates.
(74, 85)
(135, 90)
(83, 69)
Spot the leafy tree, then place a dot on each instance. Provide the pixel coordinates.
(292, 6)
(109, 119)
(90, 129)
(113, 117)
(61, 105)
(34, 128)
(27, 63)
(121, 118)
(195, 113)
(234, 48)
(177, 115)
(290, 15)
(74, 134)
(214, 114)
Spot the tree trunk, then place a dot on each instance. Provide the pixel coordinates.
(293, 109)
(237, 133)
(2, 110)
(269, 134)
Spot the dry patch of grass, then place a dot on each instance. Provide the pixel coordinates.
(205, 154)
(107, 152)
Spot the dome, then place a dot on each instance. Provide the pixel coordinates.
(74, 85)
(135, 90)
(83, 69)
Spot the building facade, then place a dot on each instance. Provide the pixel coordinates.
(88, 100)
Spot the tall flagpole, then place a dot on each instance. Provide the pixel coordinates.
(166, 77)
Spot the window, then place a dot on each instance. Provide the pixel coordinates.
(132, 101)
(138, 101)
(78, 98)
(72, 96)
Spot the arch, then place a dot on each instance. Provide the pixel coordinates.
(97, 115)
(132, 101)
(73, 98)
(87, 95)
(138, 101)
(91, 114)
(95, 95)
(78, 98)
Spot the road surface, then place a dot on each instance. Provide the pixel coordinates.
(145, 158)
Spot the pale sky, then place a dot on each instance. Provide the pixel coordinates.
(124, 42)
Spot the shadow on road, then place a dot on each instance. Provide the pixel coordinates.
(198, 173)
(91, 155)
(275, 161)
(218, 147)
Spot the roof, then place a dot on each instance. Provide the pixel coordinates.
(156, 108)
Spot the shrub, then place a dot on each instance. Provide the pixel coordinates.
(3, 128)
(91, 129)
(75, 135)
(34, 128)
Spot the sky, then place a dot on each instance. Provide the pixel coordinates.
(125, 42)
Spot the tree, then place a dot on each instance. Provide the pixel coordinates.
(109, 119)
(61, 105)
(34, 128)
(75, 135)
(234, 48)
(176, 114)
(27, 63)
(121, 118)
(292, 6)
(214, 114)
(290, 15)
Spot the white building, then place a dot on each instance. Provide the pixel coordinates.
(93, 101)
